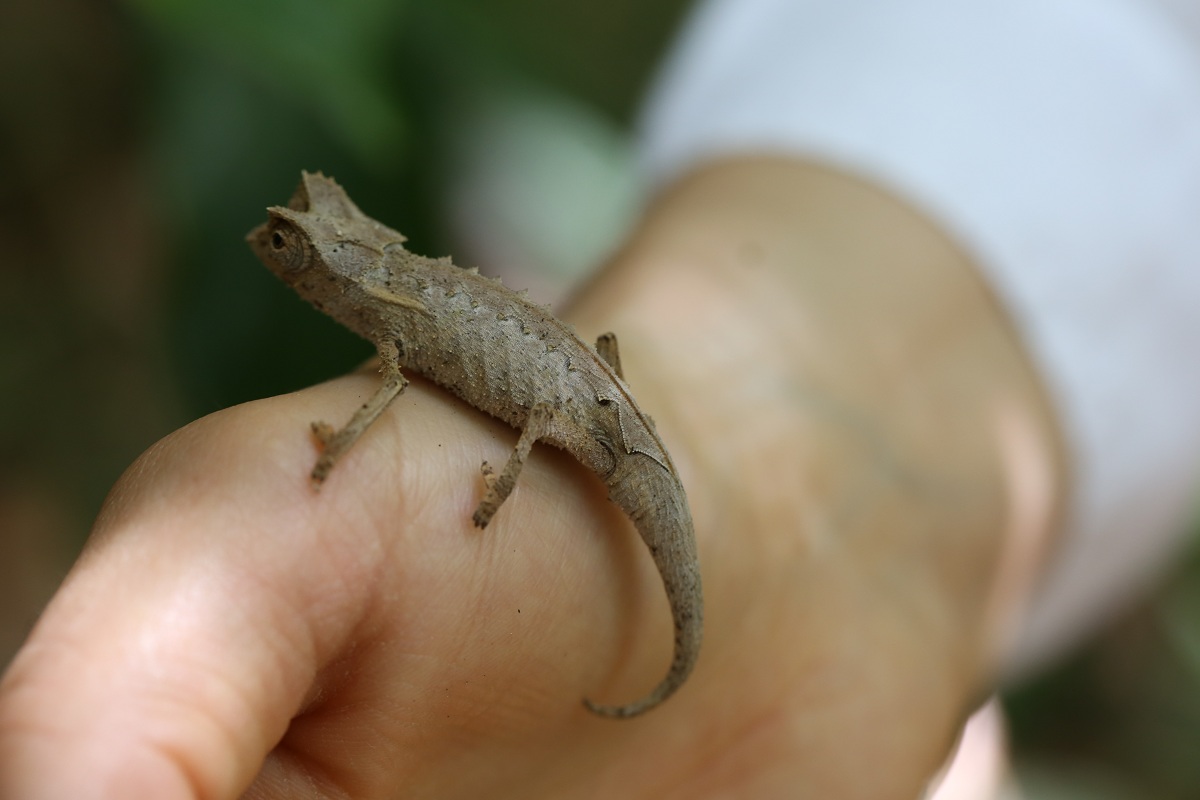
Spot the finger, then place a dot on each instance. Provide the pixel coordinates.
(173, 657)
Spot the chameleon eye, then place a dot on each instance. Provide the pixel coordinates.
(290, 248)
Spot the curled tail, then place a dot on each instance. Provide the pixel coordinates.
(656, 503)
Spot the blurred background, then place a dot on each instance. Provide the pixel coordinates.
(141, 140)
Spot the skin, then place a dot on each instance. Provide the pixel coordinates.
(501, 354)
(229, 631)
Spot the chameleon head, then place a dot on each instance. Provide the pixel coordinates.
(320, 228)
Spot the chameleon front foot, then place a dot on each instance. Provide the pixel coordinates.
(336, 442)
(327, 437)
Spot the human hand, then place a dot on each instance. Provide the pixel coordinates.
(227, 620)
(230, 628)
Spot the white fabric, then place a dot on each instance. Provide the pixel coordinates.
(1059, 141)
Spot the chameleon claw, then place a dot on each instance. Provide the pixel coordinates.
(323, 431)
(320, 472)
(489, 474)
(324, 434)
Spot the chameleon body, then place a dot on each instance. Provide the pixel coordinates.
(501, 354)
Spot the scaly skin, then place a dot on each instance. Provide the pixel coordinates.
(501, 354)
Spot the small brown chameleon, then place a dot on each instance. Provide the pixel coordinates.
(503, 355)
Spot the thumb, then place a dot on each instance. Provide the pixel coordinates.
(177, 650)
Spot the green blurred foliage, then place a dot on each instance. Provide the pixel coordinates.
(330, 58)
(241, 96)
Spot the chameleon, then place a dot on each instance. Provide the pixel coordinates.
(502, 354)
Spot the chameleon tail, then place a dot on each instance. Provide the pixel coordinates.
(666, 528)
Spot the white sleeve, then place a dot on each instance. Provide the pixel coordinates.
(1059, 141)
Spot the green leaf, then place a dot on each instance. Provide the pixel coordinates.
(326, 56)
